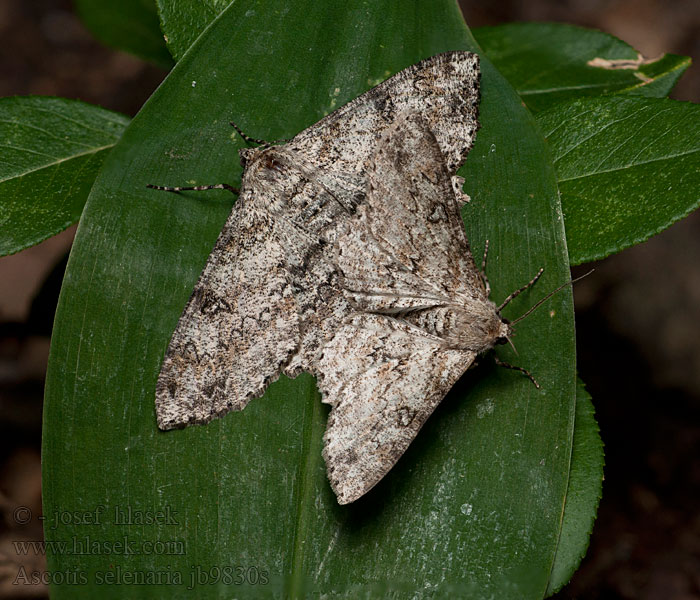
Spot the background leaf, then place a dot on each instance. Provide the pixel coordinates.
(472, 508)
(128, 25)
(585, 490)
(547, 63)
(628, 168)
(52, 149)
(182, 22)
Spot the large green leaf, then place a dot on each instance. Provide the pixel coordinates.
(129, 25)
(182, 22)
(585, 490)
(52, 149)
(628, 168)
(473, 508)
(549, 62)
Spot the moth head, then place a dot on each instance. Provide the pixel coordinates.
(247, 155)
(505, 333)
(263, 162)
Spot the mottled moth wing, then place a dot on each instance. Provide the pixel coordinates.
(407, 247)
(444, 89)
(384, 378)
(238, 328)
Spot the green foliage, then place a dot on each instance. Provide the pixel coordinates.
(129, 25)
(547, 63)
(627, 169)
(583, 495)
(475, 505)
(52, 150)
(182, 22)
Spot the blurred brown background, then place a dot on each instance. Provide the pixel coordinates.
(638, 315)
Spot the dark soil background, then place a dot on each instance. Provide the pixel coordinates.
(637, 315)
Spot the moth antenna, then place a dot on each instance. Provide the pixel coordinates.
(252, 140)
(548, 296)
(247, 138)
(195, 188)
(516, 293)
(525, 372)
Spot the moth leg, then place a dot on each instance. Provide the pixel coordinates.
(484, 277)
(525, 372)
(195, 188)
(252, 140)
(516, 293)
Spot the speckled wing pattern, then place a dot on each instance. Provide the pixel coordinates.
(407, 247)
(405, 261)
(232, 337)
(384, 377)
(280, 294)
